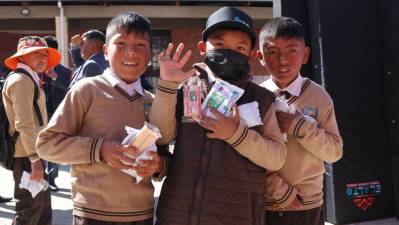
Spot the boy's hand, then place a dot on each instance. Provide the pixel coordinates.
(298, 201)
(76, 40)
(222, 127)
(37, 170)
(284, 120)
(171, 68)
(112, 153)
(147, 168)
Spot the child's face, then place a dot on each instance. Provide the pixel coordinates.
(128, 55)
(227, 39)
(283, 58)
(36, 60)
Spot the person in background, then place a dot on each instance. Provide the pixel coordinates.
(55, 85)
(88, 55)
(25, 106)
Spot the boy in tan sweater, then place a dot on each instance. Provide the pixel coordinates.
(25, 106)
(87, 128)
(294, 194)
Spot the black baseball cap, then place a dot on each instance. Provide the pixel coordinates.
(229, 17)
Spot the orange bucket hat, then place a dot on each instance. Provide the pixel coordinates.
(30, 44)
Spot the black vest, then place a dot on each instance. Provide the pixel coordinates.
(209, 182)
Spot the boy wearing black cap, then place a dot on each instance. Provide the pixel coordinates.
(217, 175)
(295, 193)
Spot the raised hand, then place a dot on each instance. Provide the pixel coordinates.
(76, 40)
(171, 67)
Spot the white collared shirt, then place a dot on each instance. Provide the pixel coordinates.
(130, 89)
(294, 88)
(32, 73)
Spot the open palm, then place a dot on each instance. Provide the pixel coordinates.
(171, 67)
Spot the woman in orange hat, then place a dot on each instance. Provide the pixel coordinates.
(25, 106)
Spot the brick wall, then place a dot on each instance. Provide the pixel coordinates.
(187, 31)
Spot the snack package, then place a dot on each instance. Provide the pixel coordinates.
(192, 100)
(249, 112)
(34, 187)
(144, 140)
(221, 97)
(281, 105)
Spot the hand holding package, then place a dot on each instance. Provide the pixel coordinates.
(144, 140)
(221, 97)
(281, 105)
(34, 187)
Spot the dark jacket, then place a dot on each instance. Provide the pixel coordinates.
(208, 181)
(56, 89)
(93, 66)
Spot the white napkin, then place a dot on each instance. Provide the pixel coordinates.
(281, 105)
(132, 133)
(34, 187)
(249, 112)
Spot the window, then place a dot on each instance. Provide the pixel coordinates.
(160, 39)
(159, 42)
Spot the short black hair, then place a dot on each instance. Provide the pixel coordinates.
(281, 27)
(51, 41)
(129, 22)
(94, 35)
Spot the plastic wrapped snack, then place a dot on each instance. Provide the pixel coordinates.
(281, 105)
(144, 140)
(221, 97)
(192, 100)
(249, 112)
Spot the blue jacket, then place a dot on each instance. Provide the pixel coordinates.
(56, 89)
(93, 66)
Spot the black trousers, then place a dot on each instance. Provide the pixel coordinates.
(306, 217)
(87, 221)
(28, 210)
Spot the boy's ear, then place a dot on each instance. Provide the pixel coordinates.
(252, 54)
(105, 50)
(202, 47)
(259, 55)
(306, 53)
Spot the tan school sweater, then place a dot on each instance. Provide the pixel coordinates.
(94, 111)
(18, 103)
(310, 144)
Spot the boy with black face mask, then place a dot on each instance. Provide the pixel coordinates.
(217, 175)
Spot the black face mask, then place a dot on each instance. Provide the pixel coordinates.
(227, 64)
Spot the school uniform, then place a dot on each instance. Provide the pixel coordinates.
(95, 110)
(18, 97)
(313, 139)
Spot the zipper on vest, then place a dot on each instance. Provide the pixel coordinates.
(200, 186)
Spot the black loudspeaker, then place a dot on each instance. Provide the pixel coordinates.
(358, 187)
(349, 58)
